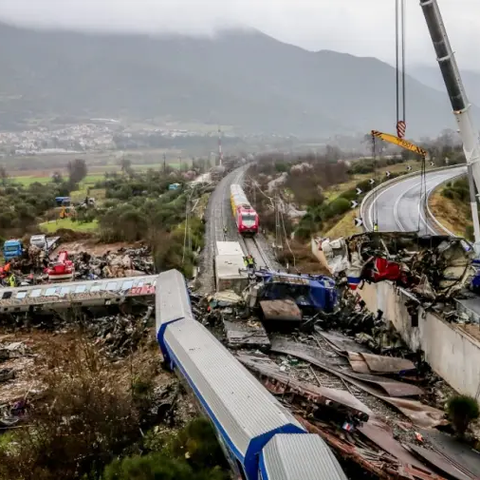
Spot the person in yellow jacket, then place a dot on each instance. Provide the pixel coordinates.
(11, 280)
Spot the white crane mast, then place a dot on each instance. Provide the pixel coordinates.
(460, 104)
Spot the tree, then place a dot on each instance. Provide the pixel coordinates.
(462, 409)
(3, 175)
(57, 177)
(125, 165)
(77, 170)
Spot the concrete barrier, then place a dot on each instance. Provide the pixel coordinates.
(452, 353)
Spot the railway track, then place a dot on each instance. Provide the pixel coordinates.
(253, 247)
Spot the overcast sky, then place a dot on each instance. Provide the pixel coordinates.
(360, 27)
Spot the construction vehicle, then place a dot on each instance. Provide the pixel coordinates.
(62, 269)
(461, 109)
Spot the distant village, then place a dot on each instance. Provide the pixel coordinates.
(96, 136)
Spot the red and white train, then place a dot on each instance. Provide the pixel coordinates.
(246, 218)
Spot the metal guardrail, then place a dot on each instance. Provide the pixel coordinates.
(388, 183)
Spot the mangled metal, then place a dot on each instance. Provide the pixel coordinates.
(433, 268)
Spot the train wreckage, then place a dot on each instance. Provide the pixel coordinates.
(433, 268)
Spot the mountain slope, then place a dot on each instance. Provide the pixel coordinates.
(242, 78)
(432, 77)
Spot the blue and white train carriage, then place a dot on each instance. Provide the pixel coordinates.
(260, 437)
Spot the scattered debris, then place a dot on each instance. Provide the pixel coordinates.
(246, 334)
(280, 311)
(434, 268)
(125, 262)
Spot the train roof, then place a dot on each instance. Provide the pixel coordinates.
(173, 302)
(66, 293)
(299, 457)
(237, 403)
(229, 248)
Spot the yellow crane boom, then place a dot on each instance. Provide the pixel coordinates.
(387, 137)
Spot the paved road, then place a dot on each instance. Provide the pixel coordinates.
(398, 207)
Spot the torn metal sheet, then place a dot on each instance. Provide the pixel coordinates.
(280, 343)
(285, 384)
(459, 454)
(440, 463)
(343, 344)
(281, 310)
(392, 387)
(382, 364)
(357, 362)
(245, 334)
(384, 440)
(422, 415)
(381, 464)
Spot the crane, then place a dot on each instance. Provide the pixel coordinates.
(460, 104)
(387, 137)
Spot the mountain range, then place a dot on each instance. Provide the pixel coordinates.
(432, 77)
(242, 78)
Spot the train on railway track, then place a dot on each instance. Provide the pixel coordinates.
(246, 218)
(260, 437)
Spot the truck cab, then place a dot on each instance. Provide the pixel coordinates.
(39, 241)
(12, 249)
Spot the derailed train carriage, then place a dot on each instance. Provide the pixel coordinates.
(261, 439)
(246, 218)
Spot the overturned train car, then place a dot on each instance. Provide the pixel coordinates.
(261, 439)
(246, 218)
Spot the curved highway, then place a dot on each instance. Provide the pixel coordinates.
(399, 207)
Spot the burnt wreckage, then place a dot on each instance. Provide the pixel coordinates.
(433, 268)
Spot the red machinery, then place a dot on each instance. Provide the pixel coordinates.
(245, 216)
(62, 269)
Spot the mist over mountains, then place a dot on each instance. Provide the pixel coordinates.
(242, 78)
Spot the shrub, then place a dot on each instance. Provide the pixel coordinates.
(462, 409)
(192, 454)
(87, 417)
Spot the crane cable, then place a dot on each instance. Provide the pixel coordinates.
(374, 201)
(400, 92)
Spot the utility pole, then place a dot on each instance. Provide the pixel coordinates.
(164, 163)
(220, 152)
(278, 231)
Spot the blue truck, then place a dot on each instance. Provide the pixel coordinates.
(15, 249)
(12, 249)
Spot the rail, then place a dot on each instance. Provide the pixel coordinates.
(383, 185)
(256, 251)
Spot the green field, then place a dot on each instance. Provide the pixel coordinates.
(28, 180)
(97, 173)
(54, 225)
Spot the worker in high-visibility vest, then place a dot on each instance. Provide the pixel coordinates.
(11, 280)
(375, 227)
